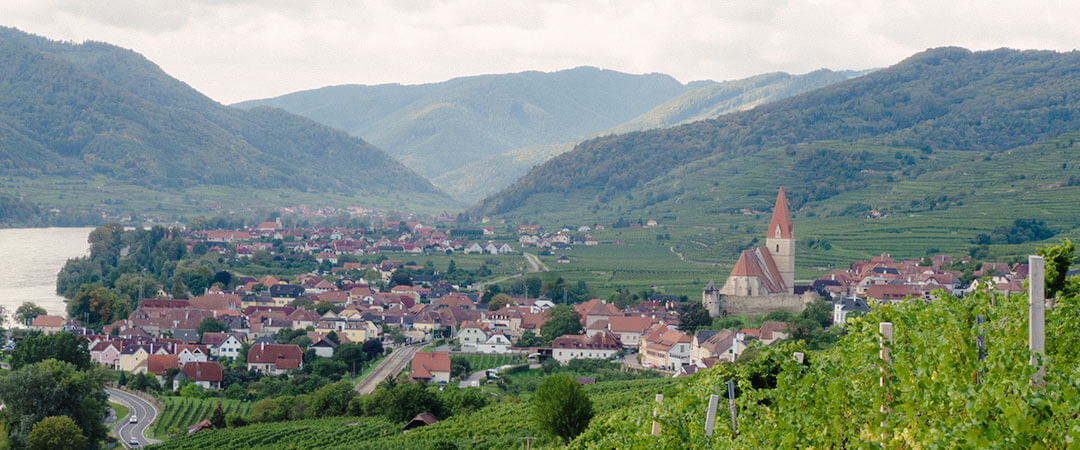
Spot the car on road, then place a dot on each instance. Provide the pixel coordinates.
(133, 442)
(133, 419)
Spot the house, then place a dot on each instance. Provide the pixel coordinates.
(324, 347)
(431, 366)
(629, 329)
(846, 306)
(421, 420)
(47, 324)
(474, 248)
(222, 345)
(106, 353)
(713, 344)
(208, 375)
(662, 347)
(582, 346)
(470, 334)
(274, 359)
(563, 259)
(158, 365)
(191, 353)
(495, 343)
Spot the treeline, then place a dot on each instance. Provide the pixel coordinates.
(1018, 232)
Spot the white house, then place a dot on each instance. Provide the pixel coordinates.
(495, 343)
(580, 346)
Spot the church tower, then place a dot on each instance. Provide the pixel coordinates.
(780, 241)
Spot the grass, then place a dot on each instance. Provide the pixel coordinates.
(120, 411)
(367, 368)
(180, 412)
(484, 362)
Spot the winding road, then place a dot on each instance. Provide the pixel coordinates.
(390, 366)
(145, 412)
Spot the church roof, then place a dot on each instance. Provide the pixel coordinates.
(760, 265)
(781, 218)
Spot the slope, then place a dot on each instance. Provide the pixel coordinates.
(703, 100)
(945, 98)
(95, 111)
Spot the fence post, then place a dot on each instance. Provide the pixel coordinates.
(799, 356)
(710, 414)
(1037, 313)
(886, 330)
(656, 411)
(731, 406)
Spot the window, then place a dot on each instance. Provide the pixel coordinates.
(777, 248)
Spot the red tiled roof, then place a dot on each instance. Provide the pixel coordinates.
(47, 321)
(425, 364)
(158, 364)
(203, 371)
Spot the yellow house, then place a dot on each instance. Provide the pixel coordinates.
(130, 359)
(353, 330)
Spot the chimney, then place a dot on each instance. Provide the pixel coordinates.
(262, 346)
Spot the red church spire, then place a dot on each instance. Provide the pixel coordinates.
(781, 218)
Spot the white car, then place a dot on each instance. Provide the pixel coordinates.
(133, 419)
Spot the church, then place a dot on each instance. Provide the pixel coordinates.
(763, 278)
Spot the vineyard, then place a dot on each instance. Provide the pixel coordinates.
(500, 425)
(483, 362)
(935, 392)
(180, 412)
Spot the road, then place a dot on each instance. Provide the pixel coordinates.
(474, 377)
(145, 412)
(535, 264)
(390, 366)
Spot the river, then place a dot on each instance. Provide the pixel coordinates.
(30, 258)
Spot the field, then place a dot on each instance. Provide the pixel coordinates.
(500, 425)
(181, 412)
(484, 362)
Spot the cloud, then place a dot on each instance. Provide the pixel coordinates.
(241, 49)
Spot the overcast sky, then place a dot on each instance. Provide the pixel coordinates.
(236, 50)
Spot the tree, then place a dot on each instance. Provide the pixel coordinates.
(56, 432)
(96, 305)
(561, 407)
(62, 346)
(267, 410)
(178, 289)
(529, 339)
(562, 319)
(1058, 259)
(212, 325)
(351, 354)
(28, 311)
(54, 388)
(332, 399)
(217, 419)
(692, 315)
(373, 347)
(499, 301)
(400, 278)
(322, 307)
(459, 366)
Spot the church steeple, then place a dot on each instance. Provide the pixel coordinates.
(781, 219)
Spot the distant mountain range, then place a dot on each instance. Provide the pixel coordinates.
(97, 111)
(874, 136)
(475, 135)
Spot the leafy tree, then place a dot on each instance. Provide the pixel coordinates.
(332, 399)
(459, 366)
(373, 347)
(178, 289)
(400, 277)
(327, 368)
(63, 346)
(351, 355)
(562, 319)
(322, 307)
(529, 339)
(96, 305)
(54, 388)
(499, 301)
(212, 325)
(26, 312)
(623, 299)
(56, 432)
(561, 407)
(1058, 259)
(267, 410)
(217, 419)
(462, 401)
(692, 315)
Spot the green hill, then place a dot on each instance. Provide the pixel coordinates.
(702, 100)
(438, 127)
(93, 111)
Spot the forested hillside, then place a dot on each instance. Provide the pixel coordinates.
(702, 100)
(79, 111)
(438, 127)
(941, 99)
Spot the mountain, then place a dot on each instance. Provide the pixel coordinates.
(940, 99)
(96, 112)
(438, 127)
(702, 100)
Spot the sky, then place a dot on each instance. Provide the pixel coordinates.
(235, 50)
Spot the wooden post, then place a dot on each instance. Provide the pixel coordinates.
(980, 342)
(1037, 313)
(731, 406)
(655, 412)
(710, 414)
(528, 442)
(886, 330)
(799, 356)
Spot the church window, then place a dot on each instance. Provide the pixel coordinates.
(777, 248)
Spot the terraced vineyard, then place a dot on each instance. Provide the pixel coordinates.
(482, 362)
(180, 413)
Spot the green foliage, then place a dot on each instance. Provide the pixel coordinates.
(217, 418)
(332, 399)
(562, 319)
(181, 412)
(1058, 260)
(561, 407)
(63, 346)
(499, 301)
(56, 432)
(26, 312)
(1019, 232)
(692, 315)
(96, 306)
(54, 388)
(211, 325)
